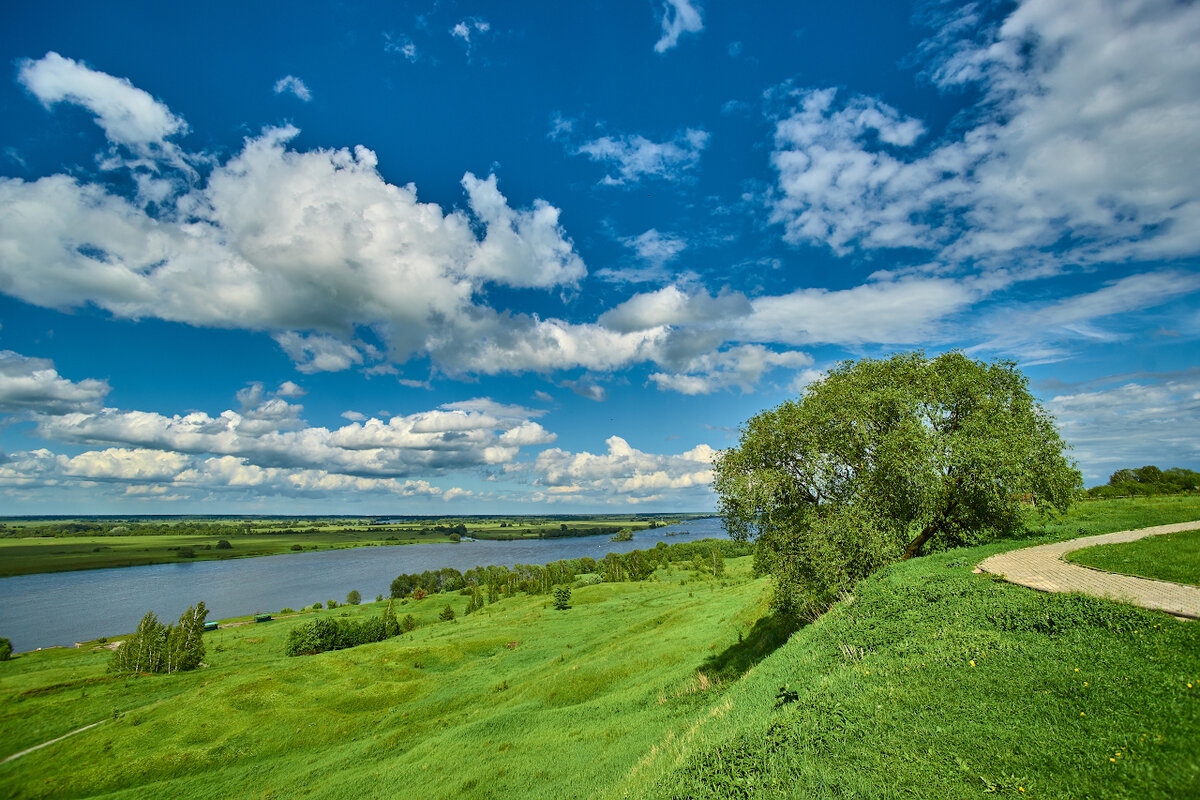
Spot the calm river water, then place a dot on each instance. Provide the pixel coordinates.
(61, 608)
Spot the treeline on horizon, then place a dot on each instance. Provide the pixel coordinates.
(487, 585)
(1147, 481)
(246, 526)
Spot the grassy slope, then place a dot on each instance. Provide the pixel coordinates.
(1170, 557)
(605, 699)
(504, 703)
(1067, 696)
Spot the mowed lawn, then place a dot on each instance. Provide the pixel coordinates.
(515, 701)
(1170, 557)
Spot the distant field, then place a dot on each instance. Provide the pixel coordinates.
(1170, 557)
(31, 546)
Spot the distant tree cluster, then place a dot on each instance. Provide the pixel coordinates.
(494, 582)
(1148, 480)
(326, 633)
(160, 648)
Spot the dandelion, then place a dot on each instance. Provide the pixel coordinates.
(1113, 760)
(1077, 669)
(1085, 683)
(973, 664)
(1082, 714)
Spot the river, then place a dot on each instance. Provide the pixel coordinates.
(61, 608)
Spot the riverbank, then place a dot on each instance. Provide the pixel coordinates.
(32, 546)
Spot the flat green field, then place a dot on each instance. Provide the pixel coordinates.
(31, 546)
(1170, 557)
(930, 681)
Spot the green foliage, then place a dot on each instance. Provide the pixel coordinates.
(1148, 481)
(317, 605)
(447, 614)
(155, 647)
(476, 602)
(562, 597)
(327, 633)
(409, 624)
(353, 597)
(223, 544)
(331, 604)
(5, 649)
(884, 459)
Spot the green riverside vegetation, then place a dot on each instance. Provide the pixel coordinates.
(31, 545)
(926, 680)
(1170, 557)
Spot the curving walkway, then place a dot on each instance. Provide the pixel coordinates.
(1042, 567)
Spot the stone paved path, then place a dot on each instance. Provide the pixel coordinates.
(1042, 567)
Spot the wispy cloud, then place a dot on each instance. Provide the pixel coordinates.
(678, 17)
(290, 84)
(635, 158)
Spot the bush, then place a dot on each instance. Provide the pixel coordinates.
(447, 614)
(409, 624)
(331, 604)
(562, 597)
(353, 598)
(317, 606)
(326, 633)
(224, 544)
(187, 552)
(297, 547)
(378, 598)
(5, 649)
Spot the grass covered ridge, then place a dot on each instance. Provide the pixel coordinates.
(506, 702)
(930, 681)
(1170, 557)
(933, 681)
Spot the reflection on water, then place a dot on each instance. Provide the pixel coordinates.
(61, 608)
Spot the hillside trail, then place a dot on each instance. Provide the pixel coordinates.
(1042, 567)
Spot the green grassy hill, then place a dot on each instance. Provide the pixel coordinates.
(931, 681)
(503, 703)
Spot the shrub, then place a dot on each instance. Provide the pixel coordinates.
(447, 614)
(418, 593)
(353, 598)
(187, 552)
(378, 598)
(562, 597)
(331, 604)
(5, 649)
(409, 624)
(297, 547)
(317, 605)
(224, 544)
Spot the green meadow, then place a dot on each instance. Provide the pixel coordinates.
(927, 681)
(30, 546)
(1170, 557)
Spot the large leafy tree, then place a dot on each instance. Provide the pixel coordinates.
(882, 460)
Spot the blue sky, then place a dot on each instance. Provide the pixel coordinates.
(456, 257)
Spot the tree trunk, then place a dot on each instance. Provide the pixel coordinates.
(914, 547)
